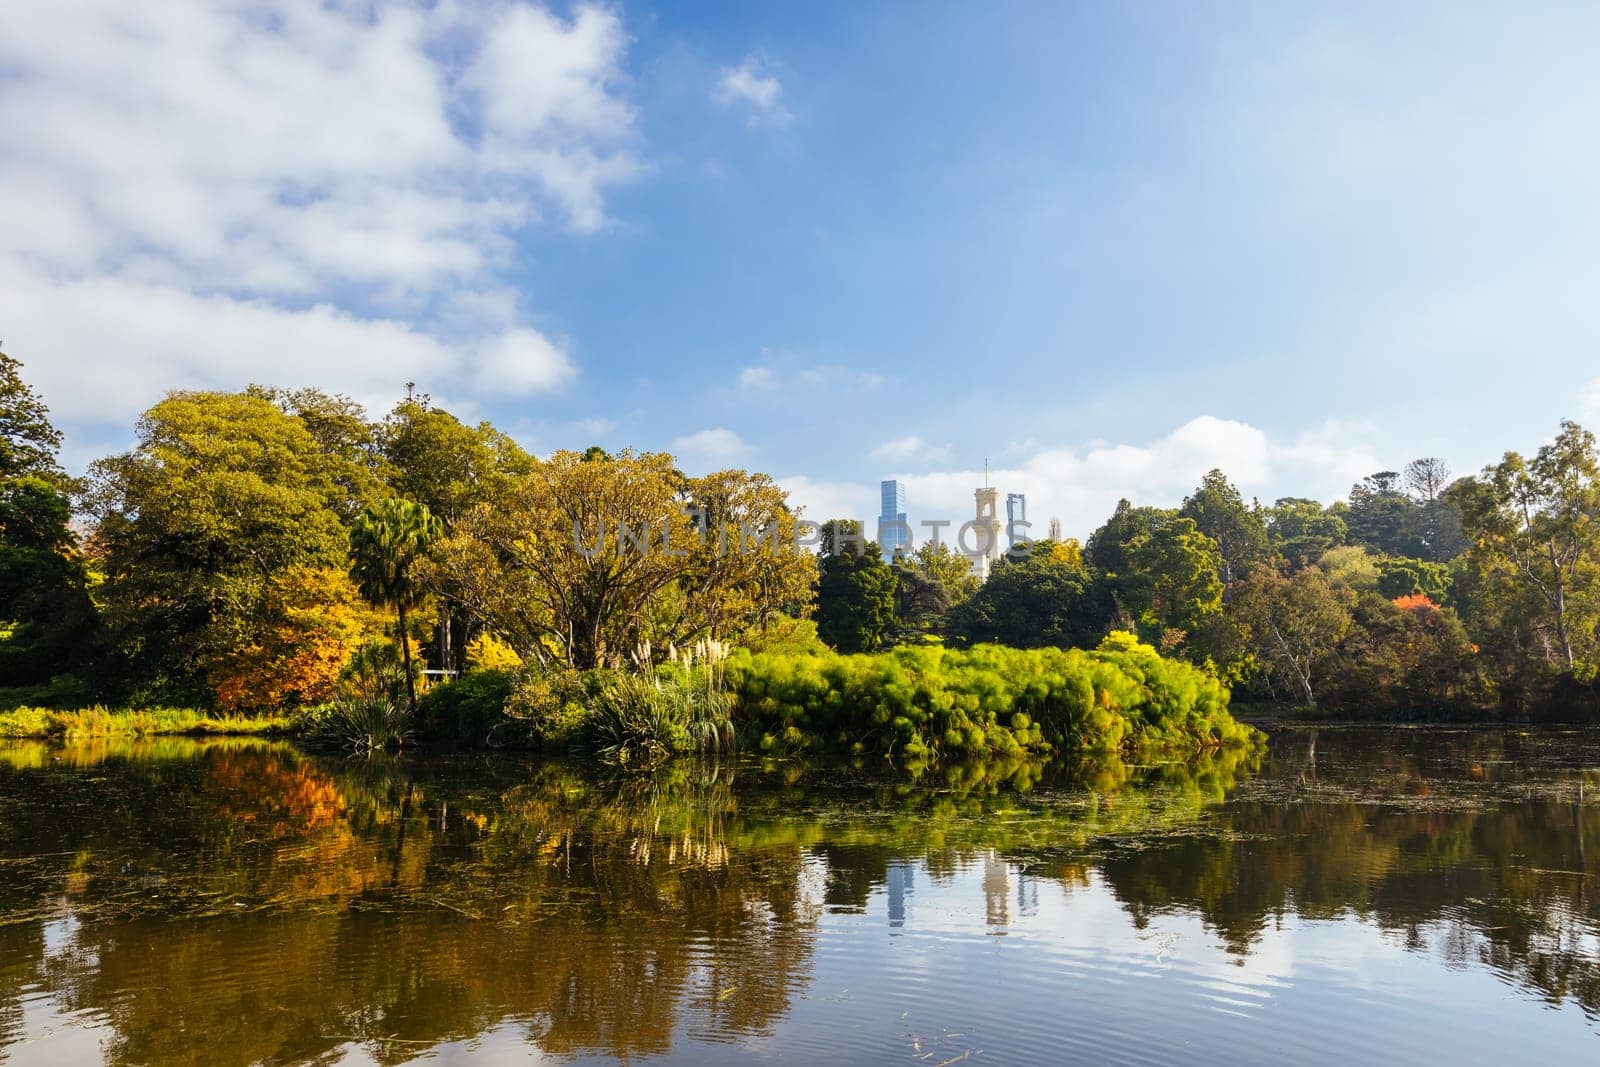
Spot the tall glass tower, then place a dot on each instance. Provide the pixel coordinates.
(1016, 512)
(894, 532)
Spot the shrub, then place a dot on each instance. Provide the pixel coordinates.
(921, 702)
(371, 724)
(553, 712)
(466, 711)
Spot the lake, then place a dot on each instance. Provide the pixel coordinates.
(1350, 895)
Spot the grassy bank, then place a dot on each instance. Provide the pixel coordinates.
(123, 722)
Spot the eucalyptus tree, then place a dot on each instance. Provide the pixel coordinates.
(1535, 528)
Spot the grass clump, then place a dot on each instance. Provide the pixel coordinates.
(50, 723)
(360, 724)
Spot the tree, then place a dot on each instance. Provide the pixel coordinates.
(1035, 601)
(1219, 512)
(312, 623)
(344, 436)
(1426, 478)
(1302, 530)
(1437, 521)
(387, 542)
(1533, 523)
(222, 493)
(1382, 517)
(855, 590)
(1172, 582)
(1407, 653)
(48, 625)
(742, 568)
(28, 440)
(436, 460)
(587, 560)
(432, 457)
(1293, 624)
(1110, 547)
(1398, 577)
(920, 602)
(938, 562)
(47, 622)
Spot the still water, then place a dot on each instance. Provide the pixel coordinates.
(1349, 896)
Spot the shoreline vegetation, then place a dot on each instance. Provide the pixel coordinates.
(29, 723)
(276, 561)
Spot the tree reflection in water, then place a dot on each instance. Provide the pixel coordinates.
(239, 902)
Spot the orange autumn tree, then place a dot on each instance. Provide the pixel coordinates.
(312, 620)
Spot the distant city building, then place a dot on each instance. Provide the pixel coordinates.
(894, 531)
(1016, 518)
(984, 547)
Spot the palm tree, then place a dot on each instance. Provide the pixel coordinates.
(385, 543)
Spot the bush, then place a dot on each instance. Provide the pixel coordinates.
(465, 712)
(370, 724)
(553, 712)
(926, 701)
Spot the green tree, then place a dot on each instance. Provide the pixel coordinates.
(434, 458)
(1302, 530)
(1533, 523)
(1035, 601)
(222, 494)
(1382, 517)
(437, 460)
(387, 542)
(1438, 522)
(28, 440)
(938, 562)
(1172, 583)
(587, 561)
(1398, 577)
(1293, 625)
(1110, 548)
(347, 439)
(1220, 513)
(855, 590)
(48, 628)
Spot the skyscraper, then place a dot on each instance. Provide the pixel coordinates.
(1016, 512)
(894, 532)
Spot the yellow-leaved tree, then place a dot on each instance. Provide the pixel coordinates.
(590, 557)
(312, 619)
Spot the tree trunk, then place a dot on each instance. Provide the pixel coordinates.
(1560, 604)
(405, 657)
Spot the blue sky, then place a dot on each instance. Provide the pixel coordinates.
(1104, 246)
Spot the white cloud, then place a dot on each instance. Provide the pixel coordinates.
(522, 361)
(204, 194)
(763, 378)
(1589, 401)
(1083, 483)
(101, 348)
(707, 449)
(820, 501)
(833, 373)
(758, 378)
(908, 449)
(761, 94)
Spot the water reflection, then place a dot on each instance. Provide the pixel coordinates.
(240, 902)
